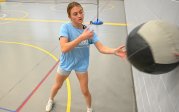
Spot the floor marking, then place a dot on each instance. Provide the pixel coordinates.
(54, 21)
(3, 15)
(115, 24)
(25, 14)
(8, 110)
(36, 88)
(56, 59)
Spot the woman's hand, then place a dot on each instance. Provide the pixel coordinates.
(176, 54)
(120, 51)
(87, 34)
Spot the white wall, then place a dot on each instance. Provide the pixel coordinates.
(154, 93)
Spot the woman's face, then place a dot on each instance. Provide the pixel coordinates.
(77, 15)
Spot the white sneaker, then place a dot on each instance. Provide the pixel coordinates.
(49, 105)
(90, 110)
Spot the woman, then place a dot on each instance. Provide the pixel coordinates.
(75, 40)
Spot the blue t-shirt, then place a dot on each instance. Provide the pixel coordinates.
(78, 58)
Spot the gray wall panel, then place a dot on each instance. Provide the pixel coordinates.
(154, 93)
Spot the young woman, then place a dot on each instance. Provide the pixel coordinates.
(75, 40)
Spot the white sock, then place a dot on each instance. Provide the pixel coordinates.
(89, 108)
(50, 100)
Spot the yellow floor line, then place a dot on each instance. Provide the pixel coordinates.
(54, 21)
(25, 14)
(56, 59)
(2, 0)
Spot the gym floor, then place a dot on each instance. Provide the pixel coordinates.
(29, 52)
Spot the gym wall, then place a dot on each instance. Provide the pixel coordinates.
(154, 93)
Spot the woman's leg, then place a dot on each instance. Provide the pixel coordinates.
(83, 79)
(59, 79)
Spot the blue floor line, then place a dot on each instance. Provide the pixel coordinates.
(7, 110)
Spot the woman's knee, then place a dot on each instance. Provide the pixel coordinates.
(59, 81)
(85, 92)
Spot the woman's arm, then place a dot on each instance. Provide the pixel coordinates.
(120, 51)
(104, 49)
(67, 46)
